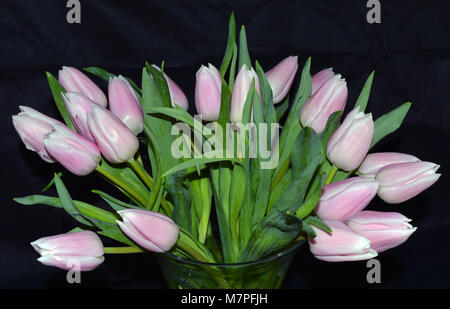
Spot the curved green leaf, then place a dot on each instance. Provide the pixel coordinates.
(57, 90)
(389, 122)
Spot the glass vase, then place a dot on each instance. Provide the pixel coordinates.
(267, 273)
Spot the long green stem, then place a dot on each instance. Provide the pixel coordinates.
(148, 180)
(331, 175)
(122, 250)
(140, 171)
(121, 184)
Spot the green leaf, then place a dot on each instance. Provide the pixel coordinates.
(236, 198)
(247, 110)
(264, 112)
(115, 204)
(313, 196)
(272, 234)
(232, 74)
(83, 208)
(187, 238)
(159, 126)
(307, 230)
(244, 57)
(280, 188)
(292, 126)
(389, 122)
(317, 222)
(161, 84)
(201, 197)
(307, 150)
(225, 106)
(57, 89)
(332, 124)
(77, 229)
(209, 157)
(179, 114)
(51, 183)
(114, 232)
(365, 93)
(306, 156)
(281, 109)
(38, 199)
(269, 112)
(105, 75)
(102, 73)
(182, 214)
(229, 249)
(231, 41)
(67, 203)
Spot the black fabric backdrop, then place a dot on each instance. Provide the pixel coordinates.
(410, 51)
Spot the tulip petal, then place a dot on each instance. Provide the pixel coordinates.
(374, 162)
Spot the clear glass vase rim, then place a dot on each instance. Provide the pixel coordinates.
(266, 259)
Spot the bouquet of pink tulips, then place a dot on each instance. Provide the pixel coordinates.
(240, 182)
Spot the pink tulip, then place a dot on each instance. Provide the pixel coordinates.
(208, 89)
(73, 80)
(321, 78)
(78, 249)
(376, 161)
(177, 95)
(32, 126)
(124, 103)
(401, 181)
(240, 91)
(73, 151)
(342, 245)
(78, 106)
(151, 230)
(341, 200)
(385, 230)
(116, 142)
(349, 144)
(281, 77)
(329, 98)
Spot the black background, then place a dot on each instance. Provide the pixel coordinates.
(410, 51)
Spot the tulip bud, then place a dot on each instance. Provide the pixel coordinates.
(151, 230)
(321, 78)
(32, 126)
(376, 161)
(116, 142)
(177, 95)
(78, 106)
(329, 98)
(73, 151)
(78, 249)
(124, 103)
(281, 77)
(240, 91)
(342, 245)
(73, 80)
(350, 143)
(341, 200)
(208, 89)
(385, 230)
(402, 181)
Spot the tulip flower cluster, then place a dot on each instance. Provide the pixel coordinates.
(320, 190)
(96, 132)
(394, 177)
